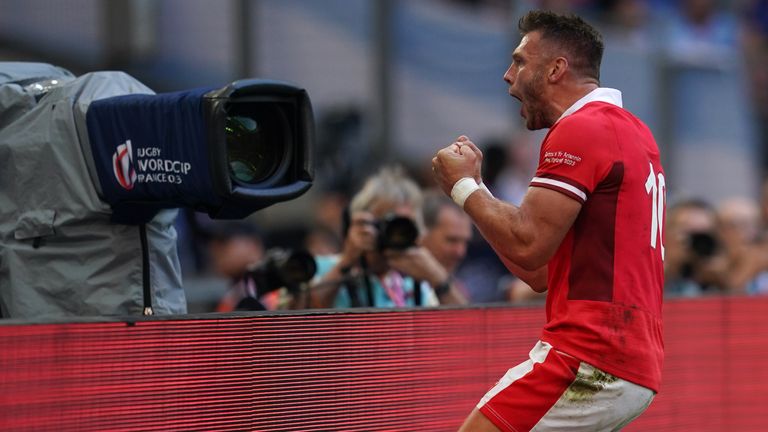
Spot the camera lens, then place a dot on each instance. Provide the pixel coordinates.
(283, 268)
(299, 267)
(703, 244)
(250, 157)
(397, 232)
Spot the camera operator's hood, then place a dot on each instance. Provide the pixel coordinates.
(60, 254)
(25, 72)
(45, 135)
(16, 78)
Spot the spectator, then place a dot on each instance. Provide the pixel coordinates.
(520, 292)
(324, 234)
(449, 230)
(328, 210)
(518, 157)
(365, 274)
(764, 205)
(700, 33)
(755, 13)
(235, 248)
(693, 261)
(321, 240)
(739, 223)
(483, 274)
(627, 22)
(747, 259)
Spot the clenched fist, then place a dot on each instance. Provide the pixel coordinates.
(460, 159)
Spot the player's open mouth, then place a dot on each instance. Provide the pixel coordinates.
(522, 104)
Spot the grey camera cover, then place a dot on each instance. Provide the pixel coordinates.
(59, 253)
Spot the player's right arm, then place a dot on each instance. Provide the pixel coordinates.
(536, 279)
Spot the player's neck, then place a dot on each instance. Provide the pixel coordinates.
(568, 95)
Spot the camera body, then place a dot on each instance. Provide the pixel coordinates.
(227, 152)
(95, 166)
(703, 245)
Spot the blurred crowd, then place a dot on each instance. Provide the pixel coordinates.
(399, 243)
(717, 249)
(710, 247)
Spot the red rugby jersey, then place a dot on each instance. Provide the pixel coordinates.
(606, 278)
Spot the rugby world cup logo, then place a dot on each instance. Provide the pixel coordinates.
(122, 164)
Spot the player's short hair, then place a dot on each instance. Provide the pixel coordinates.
(582, 44)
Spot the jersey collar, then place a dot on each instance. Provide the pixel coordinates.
(600, 94)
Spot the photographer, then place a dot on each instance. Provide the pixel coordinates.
(744, 246)
(694, 262)
(234, 247)
(381, 263)
(274, 279)
(449, 231)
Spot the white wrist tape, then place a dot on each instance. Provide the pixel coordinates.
(462, 189)
(485, 188)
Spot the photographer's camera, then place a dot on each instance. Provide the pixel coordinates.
(283, 268)
(396, 233)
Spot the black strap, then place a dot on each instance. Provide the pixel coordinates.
(351, 286)
(416, 292)
(367, 280)
(145, 280)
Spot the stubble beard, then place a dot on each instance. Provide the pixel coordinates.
(536, 109)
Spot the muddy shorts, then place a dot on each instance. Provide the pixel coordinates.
(553, 391)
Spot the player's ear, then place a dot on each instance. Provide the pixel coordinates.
(557, 69)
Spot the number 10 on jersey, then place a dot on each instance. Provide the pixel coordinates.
(656, 188)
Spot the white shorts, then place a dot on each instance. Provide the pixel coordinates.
(553, 391)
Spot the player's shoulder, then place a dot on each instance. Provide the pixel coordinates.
(600, 113)
(589, 124)
(593, 115)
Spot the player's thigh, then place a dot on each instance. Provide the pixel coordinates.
(477, 422)
(525, 394)
(596, 402)
(553, 391)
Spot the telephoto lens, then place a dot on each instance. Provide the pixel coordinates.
(703, 244)
(397, 233)
(283, 268)
(296, 267)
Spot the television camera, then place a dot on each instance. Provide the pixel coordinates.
(95, 166)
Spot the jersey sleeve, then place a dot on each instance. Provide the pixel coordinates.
(575, 157)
